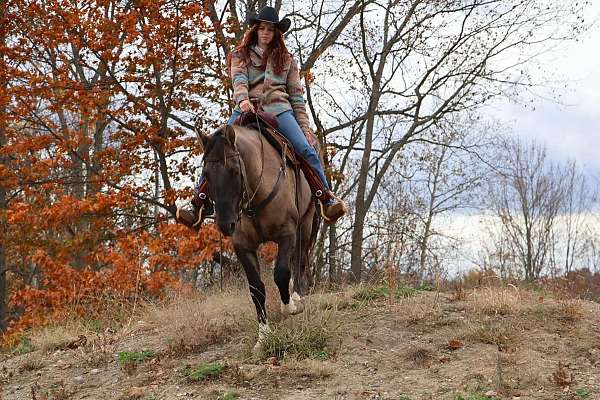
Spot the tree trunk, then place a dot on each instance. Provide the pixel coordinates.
(317, 257)
(333, 262)
(434, 178)
(424, 247)
(3, 161)
(361, 205)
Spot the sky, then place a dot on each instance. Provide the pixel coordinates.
(570, 128)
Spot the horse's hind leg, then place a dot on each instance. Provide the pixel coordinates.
(282, 276)
(249, 261)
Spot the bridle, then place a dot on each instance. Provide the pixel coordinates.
(247, 195)
(244, 198)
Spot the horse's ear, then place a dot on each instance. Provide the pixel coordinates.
(229, 134)
(202, 138)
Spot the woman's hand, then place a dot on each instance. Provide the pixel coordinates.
(246, 106)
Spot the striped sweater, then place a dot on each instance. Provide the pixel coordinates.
(277, 92)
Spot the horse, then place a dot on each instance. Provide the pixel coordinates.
(259, 197)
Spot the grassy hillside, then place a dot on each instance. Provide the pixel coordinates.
(361, 343)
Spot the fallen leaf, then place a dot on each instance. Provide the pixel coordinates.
(272, 361)
(455, 344)
(79, 342)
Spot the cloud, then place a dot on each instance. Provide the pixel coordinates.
(570, 129)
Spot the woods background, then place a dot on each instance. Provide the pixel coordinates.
(98, 100)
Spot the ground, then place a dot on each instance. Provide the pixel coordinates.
(360, 343)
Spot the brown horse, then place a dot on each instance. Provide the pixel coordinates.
(258, 197)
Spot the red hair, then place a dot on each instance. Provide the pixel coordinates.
(277, 52)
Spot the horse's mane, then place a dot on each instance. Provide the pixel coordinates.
(217, 141)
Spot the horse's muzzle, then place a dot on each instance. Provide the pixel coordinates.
(226, 227)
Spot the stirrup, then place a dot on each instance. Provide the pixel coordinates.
(322, 210)
(199, 216)
(332, 219)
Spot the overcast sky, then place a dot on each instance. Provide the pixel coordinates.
(570, 130)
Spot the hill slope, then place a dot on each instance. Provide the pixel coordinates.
(494, 343)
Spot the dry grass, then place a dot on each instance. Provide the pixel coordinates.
(499, 300)
(459, 294)
(335, 301)
(50, 338)
(198, 320)
(512, 301)
(551, 312)
(370, 292)
(32, 362)
(569, 311)
(195, 320)
(421, 309)
(306, 335)
(132, 393)
(505, 334)
(56, 391)
(302, 336)
(99, 351)
(561, 376)
(310, 368)
(420, 356)
(512, 337)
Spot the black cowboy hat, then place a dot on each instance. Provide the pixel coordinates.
(269, 14)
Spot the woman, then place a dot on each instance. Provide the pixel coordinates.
(261, 67)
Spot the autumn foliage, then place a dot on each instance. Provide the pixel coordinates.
(99, 102)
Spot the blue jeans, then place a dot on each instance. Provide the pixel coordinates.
(289, 127)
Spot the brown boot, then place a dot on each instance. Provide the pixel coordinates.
(190, 218)
(333, 209)
(201, 208)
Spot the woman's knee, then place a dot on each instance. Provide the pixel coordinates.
(233, 117)
(308, 152)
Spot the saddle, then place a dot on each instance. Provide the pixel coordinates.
(266, 123)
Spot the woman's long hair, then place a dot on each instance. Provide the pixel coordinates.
(277, 51)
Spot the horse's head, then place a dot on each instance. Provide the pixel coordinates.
(224, 172)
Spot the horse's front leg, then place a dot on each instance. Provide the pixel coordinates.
(249, 261)
(282, 275)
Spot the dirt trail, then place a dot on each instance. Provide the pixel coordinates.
(425, 347)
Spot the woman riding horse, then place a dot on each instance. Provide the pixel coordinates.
(262, 67)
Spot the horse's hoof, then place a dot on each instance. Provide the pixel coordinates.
(263, 331)
(295, 306)
(257, 349)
